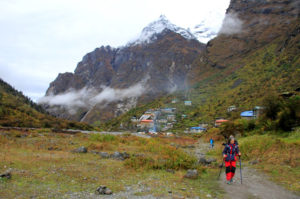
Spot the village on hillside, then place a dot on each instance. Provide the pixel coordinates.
(162, 120)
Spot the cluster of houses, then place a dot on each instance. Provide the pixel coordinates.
(163, 119)
(155, 120)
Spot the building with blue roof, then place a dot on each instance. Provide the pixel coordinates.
(197, 129)
(188, 103)
(248, 115)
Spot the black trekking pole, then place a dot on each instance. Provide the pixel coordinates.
(241, 170)
(221, 169)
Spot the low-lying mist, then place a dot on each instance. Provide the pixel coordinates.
(89, 97)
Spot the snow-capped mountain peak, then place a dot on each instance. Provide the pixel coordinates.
(149, 33)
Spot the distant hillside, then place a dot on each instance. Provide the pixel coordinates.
(17, 110)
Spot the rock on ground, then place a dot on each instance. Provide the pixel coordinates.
(6, 174)
(103, 155)
(103, 190)
(120, 156)
(81, 149)
(191, 173)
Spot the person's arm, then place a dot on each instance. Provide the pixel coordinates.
(225, 152)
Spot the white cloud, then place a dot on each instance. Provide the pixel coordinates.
(231, 24)
(44, 38)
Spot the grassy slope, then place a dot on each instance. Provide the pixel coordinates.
(18, 110)
(40, 172)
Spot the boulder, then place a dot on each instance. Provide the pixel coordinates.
(202, 160)
(211, 160)
(205, 161)
(191, 173)
(81, 149)
(6, 174)
(103, 190)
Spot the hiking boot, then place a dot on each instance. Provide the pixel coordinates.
(228, 182)
(231, 181)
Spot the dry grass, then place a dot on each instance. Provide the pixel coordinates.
(39, 172)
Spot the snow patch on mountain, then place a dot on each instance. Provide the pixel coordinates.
(150, 32)
(203, 32)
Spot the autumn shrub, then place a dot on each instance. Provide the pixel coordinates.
(272, 149)
(156, 155)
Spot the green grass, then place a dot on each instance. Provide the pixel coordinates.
(102, 138)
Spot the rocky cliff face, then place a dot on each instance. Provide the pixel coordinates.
(154, 64)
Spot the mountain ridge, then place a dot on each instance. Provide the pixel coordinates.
(160, 66)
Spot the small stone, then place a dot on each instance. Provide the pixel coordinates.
(6, 174)
(170, 171)
(170, 191)
(103, 190)
(120, 156)
(81, 149)
(191, 173)
(50, 148)
(94, 152)
(253, 162)
(103, 155)
(208, 195)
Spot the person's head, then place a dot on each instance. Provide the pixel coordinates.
(231, 140)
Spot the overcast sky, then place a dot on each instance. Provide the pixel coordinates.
(41, 38)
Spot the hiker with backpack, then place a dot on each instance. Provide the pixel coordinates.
(230, 152)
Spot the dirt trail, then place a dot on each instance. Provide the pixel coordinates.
(255, 185)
